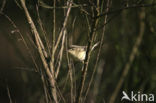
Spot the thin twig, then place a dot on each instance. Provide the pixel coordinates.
(59, 38)
(131, 57)
(60, 55)
(128, 7)
(42, 28)
(86, 61)
(64, 26)
(23, 40)
(3, 5)
(34, 30)
(108, 21)
(44, 87)
(99, 51)
(53, 36)
(53, 43)
(54, 26)
(97, 81)
(8, 91)
(18, 4)
(44, 5)
(60, 94)
(41, 52)
(70, 72)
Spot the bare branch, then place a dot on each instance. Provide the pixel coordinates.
(64, 26)
(128, 7)
(59, 38)
(99, 51)
(61, 53)
(44, 5)
(97, 81)
(43, 29)
(3, 5)
(44, 87)
(8, 91)
(131, 57)
(41, 51)
(53, 40)
(86, 61)
(23, 40)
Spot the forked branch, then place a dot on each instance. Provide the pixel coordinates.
(41, 51)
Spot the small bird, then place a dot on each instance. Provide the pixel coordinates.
(79, 52)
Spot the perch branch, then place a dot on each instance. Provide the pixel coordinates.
(88, 54)
(99, 51)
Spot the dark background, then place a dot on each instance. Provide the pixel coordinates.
(17, 71)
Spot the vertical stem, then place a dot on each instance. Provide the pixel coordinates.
(131, 57)
(53, 35)
(69, 4)
(41, 51)
(70, 72)
(101, 42)
(86, 61)
(54, 26)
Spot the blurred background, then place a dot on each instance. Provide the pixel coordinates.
(18, 76)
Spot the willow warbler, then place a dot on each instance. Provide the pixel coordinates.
(79, 52)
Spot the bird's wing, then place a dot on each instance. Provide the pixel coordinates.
(76, 46)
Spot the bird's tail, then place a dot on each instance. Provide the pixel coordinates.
(95, 45)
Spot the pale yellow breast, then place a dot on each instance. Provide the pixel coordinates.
(82, 55)
(78, 54)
